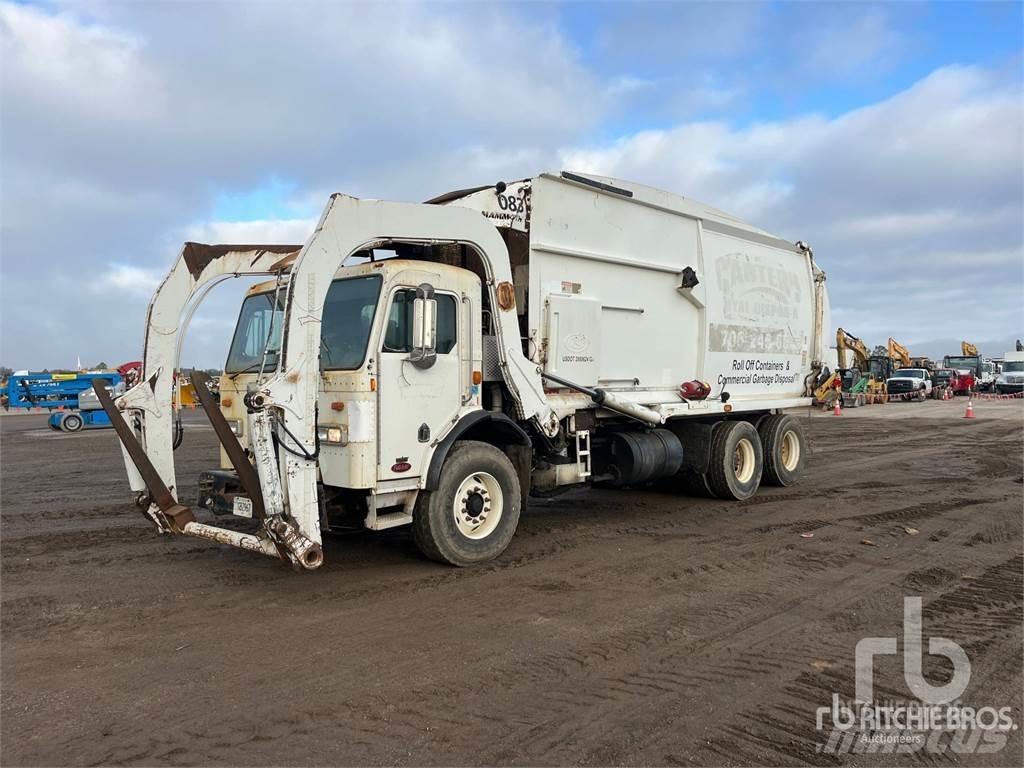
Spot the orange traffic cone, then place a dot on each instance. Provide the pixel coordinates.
(970, 410)
(836, 410)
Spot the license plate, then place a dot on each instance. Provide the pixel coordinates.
(242, 506)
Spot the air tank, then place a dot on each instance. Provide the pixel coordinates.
(631, 458)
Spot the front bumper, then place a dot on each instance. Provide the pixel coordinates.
(1009, 389)
(902, 388)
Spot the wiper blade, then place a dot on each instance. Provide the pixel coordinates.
(247, 369)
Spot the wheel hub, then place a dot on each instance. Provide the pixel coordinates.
(477, 506)
(790, 450)
(743, 461)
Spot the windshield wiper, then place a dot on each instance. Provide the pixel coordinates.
(247, 369)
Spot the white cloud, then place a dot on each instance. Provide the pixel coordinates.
(892, 196)
(921, 223)
(847, 41)
(260, 232)
(74, 68)
(125, 279)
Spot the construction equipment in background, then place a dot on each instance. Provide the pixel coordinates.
(865, 380)
(847, 341)
(66, 395)
(855, 387)
(899, 354)
(52, 391)
(829, 390)
(923, 362)
(186, 393)
(967, 349)
(71, 399)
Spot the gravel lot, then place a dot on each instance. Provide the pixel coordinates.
(631, 627)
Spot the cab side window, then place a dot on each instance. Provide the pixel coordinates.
(398, 332)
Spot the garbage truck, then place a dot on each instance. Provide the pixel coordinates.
(437, 364)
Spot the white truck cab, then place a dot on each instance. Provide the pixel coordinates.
(1011, 380)
(915, 382)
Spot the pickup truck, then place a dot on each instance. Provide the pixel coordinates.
(911, 382)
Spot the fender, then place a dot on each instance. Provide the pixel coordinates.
(486, 422)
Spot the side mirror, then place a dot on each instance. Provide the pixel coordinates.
(424, 327)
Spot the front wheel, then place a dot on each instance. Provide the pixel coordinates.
(737, 460)
(472, 515)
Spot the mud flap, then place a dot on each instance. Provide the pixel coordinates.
(173, 516)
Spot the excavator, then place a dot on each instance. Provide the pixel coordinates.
(866, 379)
(899, 354)
(967, 349)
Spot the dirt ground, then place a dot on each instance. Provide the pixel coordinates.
(620, 628)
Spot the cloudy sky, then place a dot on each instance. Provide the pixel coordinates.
(890, 137)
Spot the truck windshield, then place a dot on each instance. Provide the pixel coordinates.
(910, 373)
(960, 362)
(1015, 366)
(345, 330)
(258, 329)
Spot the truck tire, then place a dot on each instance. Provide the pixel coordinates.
(784, 448)
(472, 515)
(736, 460)
(71, 423)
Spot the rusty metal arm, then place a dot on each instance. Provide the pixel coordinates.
(173, 516)
(247, 476)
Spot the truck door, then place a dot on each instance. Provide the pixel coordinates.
(415, 404)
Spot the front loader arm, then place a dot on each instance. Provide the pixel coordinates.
(347, 226)
(146, 435)
(287, 497)
(196, 270)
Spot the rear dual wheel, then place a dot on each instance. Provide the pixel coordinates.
(742, 458)
(737, 460)
(782, 439)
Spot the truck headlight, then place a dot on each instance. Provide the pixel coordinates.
(236, 427)
(335, 435)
